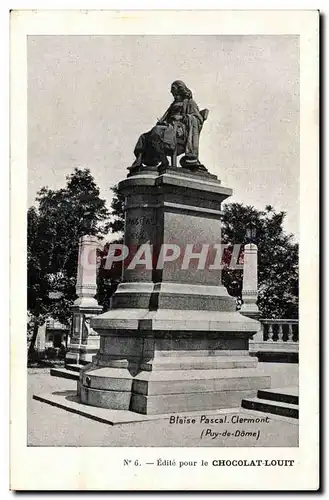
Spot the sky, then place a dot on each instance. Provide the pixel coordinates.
(90, 97)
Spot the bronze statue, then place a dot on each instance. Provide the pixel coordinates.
(177, 132)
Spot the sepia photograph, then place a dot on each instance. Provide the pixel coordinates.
(164, 243)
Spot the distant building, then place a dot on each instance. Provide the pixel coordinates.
(51, 334)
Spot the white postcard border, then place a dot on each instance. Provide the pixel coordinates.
(102, 468)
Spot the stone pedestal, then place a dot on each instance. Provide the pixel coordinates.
(173, 340)
(84, 342)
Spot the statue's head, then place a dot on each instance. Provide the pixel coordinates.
(179, 89)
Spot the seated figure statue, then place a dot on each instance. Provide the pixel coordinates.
(177, 132)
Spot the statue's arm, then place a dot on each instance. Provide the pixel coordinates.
(164, 117)
(193, 110)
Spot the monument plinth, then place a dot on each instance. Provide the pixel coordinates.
(173, 340)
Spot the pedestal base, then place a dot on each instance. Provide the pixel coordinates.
(82, 353)
(84, 343)
(166, 361)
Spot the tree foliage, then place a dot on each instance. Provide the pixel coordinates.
(55, 225)
(108, 279)
(277, 258)
(117, 211)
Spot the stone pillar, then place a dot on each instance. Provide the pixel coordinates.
(172, 340)
(250, 282)
(41, 338)
(86, 286)
(84, 341)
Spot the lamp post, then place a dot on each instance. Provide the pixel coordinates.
(251, 233)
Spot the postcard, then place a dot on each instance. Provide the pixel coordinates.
(164, 250)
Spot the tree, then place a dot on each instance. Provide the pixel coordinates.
(108, 279)
(277, 258)
(55, 225)
(117, 211)
(38, 301)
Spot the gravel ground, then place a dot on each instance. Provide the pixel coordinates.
(51, 426)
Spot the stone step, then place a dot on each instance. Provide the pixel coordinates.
(173, 403)
(285, 395)
(268, 406)
(215, 374)
(200, 352)
(175, 382)
(200, 363)
(114, 400)
(163, 403)
(74, 367)
(64, 373)
(199, 385)
(181, 363)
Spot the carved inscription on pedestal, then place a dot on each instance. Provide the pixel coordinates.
(140, 228)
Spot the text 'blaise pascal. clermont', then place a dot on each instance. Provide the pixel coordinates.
(223, 419)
